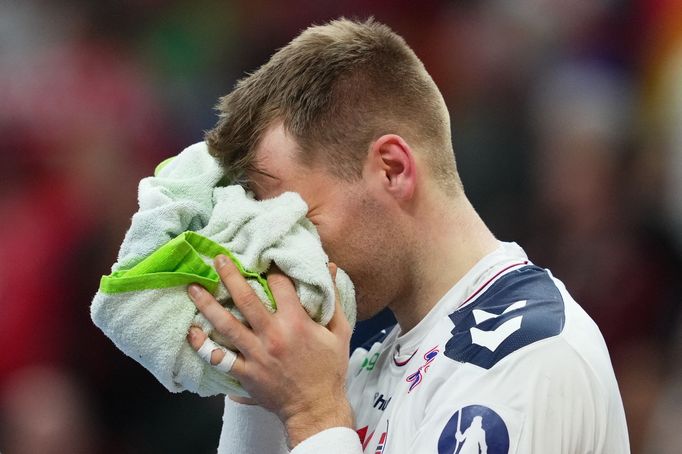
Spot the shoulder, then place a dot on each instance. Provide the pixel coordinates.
(521, 308)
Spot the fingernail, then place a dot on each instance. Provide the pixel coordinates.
(193, 332)
(220, 260)
(194, 290)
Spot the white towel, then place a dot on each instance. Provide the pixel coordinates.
(143, 305)
(178, 198)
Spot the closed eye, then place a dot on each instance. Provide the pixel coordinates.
(258, 185)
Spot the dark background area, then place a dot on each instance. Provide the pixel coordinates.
(566, 123)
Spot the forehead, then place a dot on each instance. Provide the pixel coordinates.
(275, 167)
(276, 148)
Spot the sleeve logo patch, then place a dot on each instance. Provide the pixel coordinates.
(519, 309)
(474, 429)
(493, 338)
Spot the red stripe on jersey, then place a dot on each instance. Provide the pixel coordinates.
(492, 279)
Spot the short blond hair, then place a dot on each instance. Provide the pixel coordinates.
(336, 88)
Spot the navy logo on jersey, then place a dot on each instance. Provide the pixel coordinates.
(522, 307)
(381, 402)
(473, 430)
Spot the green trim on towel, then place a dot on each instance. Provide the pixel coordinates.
(162, 164)
(178, 262)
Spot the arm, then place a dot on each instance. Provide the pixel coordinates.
(250, 429)
(337, 440)
(292, 366)
(247, 427)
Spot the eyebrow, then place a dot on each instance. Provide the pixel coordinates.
(253, 167)
(249, 183)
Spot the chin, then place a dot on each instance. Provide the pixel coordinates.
(363, 316)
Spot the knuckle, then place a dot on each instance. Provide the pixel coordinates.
(227, 269)
(224, 323)
(216, 356)
(344, 330)
(249, 306)
(274, 346)
(223, 326)
(205, 300)
(237, 337)
(278, 281)
(245, 297)
(296, 325)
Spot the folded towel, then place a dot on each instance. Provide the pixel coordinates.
(177, 198)
(185, 219)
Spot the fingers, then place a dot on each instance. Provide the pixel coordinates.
(224, 360)
(196, 338)
(283, 291)
(242, 294)
(332, 270)
(338, 324)
(243, 400)
(224, 322)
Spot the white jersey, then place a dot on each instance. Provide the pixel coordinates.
(506, 362)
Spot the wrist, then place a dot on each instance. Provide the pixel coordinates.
(307, 422)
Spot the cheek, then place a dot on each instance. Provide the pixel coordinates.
(339, 237)
(356, 246)
(363, 246)
(352, 235)
(334, 241)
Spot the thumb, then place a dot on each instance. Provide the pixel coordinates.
(338, 324)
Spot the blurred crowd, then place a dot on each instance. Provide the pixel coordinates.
(567, 125)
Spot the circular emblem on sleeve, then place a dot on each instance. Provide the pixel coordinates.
(474, 429)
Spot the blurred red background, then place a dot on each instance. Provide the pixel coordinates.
(566, 122)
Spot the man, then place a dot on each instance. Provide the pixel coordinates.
(347, 116)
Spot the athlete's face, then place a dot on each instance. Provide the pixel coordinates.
(353, 224)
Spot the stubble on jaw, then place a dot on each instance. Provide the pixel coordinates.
(381, 276)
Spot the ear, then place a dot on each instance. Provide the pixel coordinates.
(392, 161)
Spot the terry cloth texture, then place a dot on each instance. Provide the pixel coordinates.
(185, 219)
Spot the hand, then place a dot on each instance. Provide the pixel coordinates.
(196, 338)
(289, 364)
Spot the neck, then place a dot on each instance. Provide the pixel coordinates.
(457, 240)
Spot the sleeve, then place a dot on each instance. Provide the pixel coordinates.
(337, 440)
(541, 400)
(250, 429)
